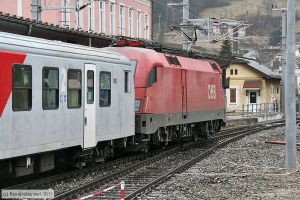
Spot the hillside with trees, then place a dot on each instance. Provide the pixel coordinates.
(256, 12)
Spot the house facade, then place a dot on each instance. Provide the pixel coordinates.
(130, 18)
(251, 84)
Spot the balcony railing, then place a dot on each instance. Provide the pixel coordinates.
(259, 109)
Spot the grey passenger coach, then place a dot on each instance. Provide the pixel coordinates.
(61, 103)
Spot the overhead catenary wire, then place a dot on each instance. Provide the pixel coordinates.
(115, 3)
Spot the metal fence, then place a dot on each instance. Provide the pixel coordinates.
(260, 109)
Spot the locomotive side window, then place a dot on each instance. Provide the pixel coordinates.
(90, 87)
(50, 88)
(152, 77)
(22, 87)
(74, 88)
(105, 89)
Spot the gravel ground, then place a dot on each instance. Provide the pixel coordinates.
(246, 169)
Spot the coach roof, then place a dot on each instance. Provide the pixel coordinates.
(25, 44)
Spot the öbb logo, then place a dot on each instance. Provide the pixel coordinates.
(212, 94)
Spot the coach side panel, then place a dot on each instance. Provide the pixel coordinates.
(114, 101)
(28, 129)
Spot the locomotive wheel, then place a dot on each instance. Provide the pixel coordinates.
(206, 131)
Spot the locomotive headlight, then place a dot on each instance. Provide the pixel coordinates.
(137, 105)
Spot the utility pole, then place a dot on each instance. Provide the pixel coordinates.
(209, 30)
(185, 18)
(283, 55)
(159, 38)
(290, 96)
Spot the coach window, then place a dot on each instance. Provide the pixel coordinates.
(152, 77)
(90, 87)
(50, 88)
(74, 88)
(126, 82)
(105, 89)
(22, 87)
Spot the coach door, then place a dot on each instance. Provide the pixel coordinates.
(89, 139)
(184, 93)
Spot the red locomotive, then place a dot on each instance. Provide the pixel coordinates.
(175, 97)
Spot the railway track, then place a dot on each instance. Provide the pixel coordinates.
(71, 176)
(142, 172)
(143, 175)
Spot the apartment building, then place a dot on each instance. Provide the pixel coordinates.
(112, 17)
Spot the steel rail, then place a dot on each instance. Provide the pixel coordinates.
(35, 184)
(211, 150)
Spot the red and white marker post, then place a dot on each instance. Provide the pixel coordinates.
(101, 191)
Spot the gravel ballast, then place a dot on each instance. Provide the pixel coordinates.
(245, 169)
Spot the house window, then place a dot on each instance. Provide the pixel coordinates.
(91, 17)
(112, 18)
(277, 90)
(272, 89)
(122, 20)
(74, 88)
(231, 72)
(20, 6)
(139, 24)
(236, 72)
(130, 22)
(146, 26)
(50, 88)
(232, 95)
(79, 15)
(22, 87)
(66, 13)
(102, 16)
(105, 89)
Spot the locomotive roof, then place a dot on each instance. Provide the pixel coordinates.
(148, 58)
(31, 45)
(151, 57)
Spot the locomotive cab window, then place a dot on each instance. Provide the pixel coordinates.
(152, 77)
(22, 87)
(74, 88)
(50, 88)
(105, 89)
